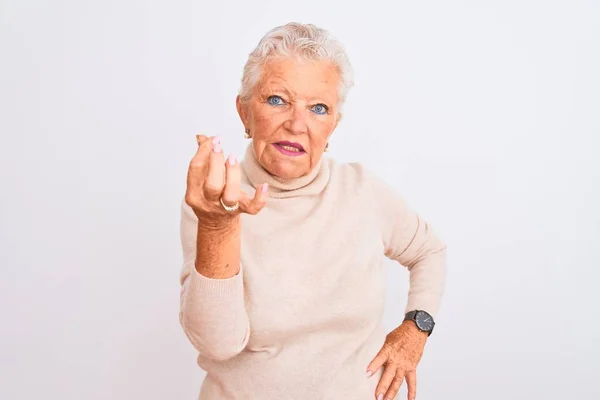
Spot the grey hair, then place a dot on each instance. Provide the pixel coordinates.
(304, 41)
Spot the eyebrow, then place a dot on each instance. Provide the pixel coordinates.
(275, 87)
(281, 89)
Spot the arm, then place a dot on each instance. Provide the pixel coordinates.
(412, 242)
(409, 240)
(212, 311)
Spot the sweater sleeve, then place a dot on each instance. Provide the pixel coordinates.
(411, 241)
(212, 311)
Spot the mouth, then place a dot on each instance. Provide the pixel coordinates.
(289, 148)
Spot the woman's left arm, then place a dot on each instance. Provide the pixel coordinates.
(411, 241)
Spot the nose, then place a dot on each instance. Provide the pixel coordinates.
(297, 123)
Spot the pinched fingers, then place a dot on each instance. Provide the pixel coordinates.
(232, 193)
(212, 180)
(197, 171)
(215, 176)
(232, 189)
(198, 163)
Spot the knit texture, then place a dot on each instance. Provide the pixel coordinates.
(303, 317)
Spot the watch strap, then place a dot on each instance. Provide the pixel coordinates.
(410, 315)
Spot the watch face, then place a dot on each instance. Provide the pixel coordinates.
(424, 321)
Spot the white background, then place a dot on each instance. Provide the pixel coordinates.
(484, 114)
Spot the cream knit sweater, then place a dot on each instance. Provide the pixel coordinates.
(302, 319)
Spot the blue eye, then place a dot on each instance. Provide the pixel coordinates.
(320, 109)
(275, 101)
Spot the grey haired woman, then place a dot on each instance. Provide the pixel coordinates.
(283, 281)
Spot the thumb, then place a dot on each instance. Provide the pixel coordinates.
(253, 205)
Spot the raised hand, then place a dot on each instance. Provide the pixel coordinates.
(214, 185)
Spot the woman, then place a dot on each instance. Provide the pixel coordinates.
(283, 283)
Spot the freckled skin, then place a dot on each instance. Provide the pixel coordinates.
(303, 88)
(399, 356)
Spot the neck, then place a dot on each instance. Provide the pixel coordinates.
(311, 184)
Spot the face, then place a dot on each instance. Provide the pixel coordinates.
(292, 113)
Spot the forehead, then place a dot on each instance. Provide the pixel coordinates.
(301, 78)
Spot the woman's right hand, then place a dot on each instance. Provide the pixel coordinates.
(211, 179)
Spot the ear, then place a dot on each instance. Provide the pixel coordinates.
(337, 121)
(242, 110)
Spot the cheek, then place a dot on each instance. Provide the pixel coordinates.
(320, 131)
(266, 123)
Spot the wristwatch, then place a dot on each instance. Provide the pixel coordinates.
(422, 319)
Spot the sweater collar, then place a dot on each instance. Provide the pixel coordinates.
(311, 184)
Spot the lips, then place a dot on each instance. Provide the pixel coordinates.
(290, 146)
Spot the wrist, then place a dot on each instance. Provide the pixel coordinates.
(218, 248)
(420, 320)
(219, 227)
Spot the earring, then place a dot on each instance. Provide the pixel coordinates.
(247, 133)
(327, 147)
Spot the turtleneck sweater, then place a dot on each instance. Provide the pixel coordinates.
(302, 319)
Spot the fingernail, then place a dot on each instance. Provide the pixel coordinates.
(265, 188)
(231, 159)
(380, 396)
(216, 147)
(369, 373)
(216, 140)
